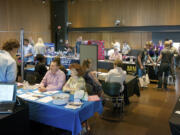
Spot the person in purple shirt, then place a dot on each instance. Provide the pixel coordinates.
(54, 78)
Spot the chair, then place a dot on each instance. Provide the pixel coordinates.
(112, 93)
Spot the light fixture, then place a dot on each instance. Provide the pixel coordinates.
(43, 1)
(117, 22)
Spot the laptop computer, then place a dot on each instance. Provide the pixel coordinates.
(7, 97)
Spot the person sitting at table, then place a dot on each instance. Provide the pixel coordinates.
(115, 55)
(61, 67)
(40, 67)
(117, 72)
(76, 81)
(91, 78)
(54, 78)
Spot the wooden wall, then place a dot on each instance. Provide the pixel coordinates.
(136, 39)
(31, 15)
(103, 13)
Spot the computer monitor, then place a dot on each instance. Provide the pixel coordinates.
(7, 92)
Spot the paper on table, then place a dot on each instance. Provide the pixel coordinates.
(45, 99)
(72, 106)
(50, 92)
(37, 95)
(31, 98)
(37, 91)
(19, 92)
(24, 95)
(177, 112)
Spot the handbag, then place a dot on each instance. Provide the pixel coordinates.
(144, 80)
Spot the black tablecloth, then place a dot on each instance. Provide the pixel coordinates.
(174, 120)
(16, 123)
(131, 87)
(130, 68)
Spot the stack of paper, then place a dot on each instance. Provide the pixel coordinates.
(72, 106)
(45, 99)
(50, 92)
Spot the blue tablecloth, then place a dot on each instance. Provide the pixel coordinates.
(64, 61)
(61, 117)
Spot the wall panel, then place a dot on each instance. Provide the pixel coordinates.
(31, 15)
(103, 13)
(135, 39)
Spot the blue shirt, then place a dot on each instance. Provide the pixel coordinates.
(78, 43)
(28, 49)
(8, 67)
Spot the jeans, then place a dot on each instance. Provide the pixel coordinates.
(140, 72)
(164, 68)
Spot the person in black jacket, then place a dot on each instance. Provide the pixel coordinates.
(91, 78)
(40, 67)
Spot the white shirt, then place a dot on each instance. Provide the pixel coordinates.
(8, 67)
(28, 49)
(40, 49)
(125, 49)
(117, 45)
(116, 75)
(110, 52)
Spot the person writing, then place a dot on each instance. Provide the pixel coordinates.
(8, 66)
(54, 78)
(76, 81)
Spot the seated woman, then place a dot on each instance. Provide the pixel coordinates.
(40, 67)
(54, 78)
(115, 55)
(91, 78)
(76, 81)
(117, 71)
(117, 75)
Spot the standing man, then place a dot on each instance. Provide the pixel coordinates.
(142, 57)
(165, 57)
(28, 52)
(174, 52)
(8, 67)
(77, 47)
(126, 48)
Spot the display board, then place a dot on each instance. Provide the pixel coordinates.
(89, 52)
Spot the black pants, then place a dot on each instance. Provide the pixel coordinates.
(164, 68)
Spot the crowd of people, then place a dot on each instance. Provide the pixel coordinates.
(164, 53)
(82, 77)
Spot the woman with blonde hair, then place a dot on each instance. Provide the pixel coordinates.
(39, 47)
